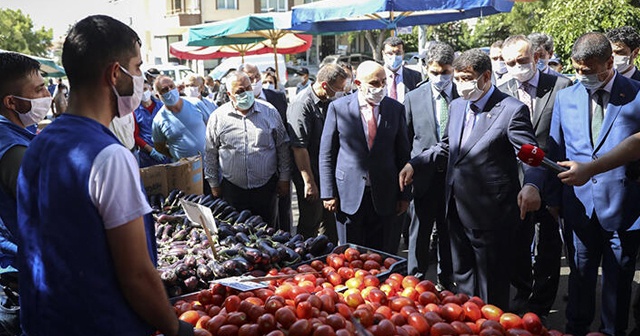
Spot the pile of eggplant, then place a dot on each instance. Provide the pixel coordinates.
(244, 244)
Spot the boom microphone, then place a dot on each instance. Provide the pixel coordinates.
(534, 156)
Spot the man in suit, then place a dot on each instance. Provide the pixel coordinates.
(603, 217)
(482, 187)
(543, 49)
(499, 74)
(535, 291)
(427, 110)
(364, 145)
(625, 43)
(278, 100)
(400, 79)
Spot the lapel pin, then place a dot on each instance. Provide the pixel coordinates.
(622, 95)
(488, 115)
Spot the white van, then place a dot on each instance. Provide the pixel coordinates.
(261, 61)
(176, 71)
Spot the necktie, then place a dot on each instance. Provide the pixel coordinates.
(469, 123)
(525, 97)
(598, 116)
(444, 113)
(372, 127)
(393, 90)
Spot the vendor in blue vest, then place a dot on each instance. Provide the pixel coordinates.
(25, 102)
(85, 257)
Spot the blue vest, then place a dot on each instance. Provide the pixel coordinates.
(68, 283)
(10, 136)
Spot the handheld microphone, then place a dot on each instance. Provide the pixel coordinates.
(534, 156)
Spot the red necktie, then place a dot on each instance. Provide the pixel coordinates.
(372, 127)
(393, 90)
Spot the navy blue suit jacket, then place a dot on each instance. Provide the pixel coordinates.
(345, 158)
(482, 175)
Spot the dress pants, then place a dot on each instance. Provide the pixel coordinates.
(617, 251)
(260, 201)
(284, 212)
(424, 210)
(480, 260)
(366, 227)
(314, 218)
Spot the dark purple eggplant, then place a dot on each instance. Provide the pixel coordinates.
(258, 273)
(231, 217)
(272, 252)
(297, 238)
(205, 199)
(270, 231)
(290, 255)
(328, 249)
(266, 259)
(204, 273)
(231, 252)
(233, 267)
(252, 255)
(253, 220)
(190, 261)
(172, 196)
(225, 211)
(229, 241)
(300, 251)
(241, 227)
(281, 236)
(217, 269)
(177, 251)
(169, 278)
(182, 271)
(174, 291)
(308, 256)
(243, 216)
(191, 283)
(308, 242)
(318, 245)
(260, 233)
(241, 237)
(180, 235)
(224, 232)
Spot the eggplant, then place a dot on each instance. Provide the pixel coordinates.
(172, 196)
(231, 217)
(204, 272)
(216, 202)
(217, 269)
(328, 249)
(225, 212)
(219, 208)
(243, 216)
(252, 220)
(252, 255)
(318, 245)
(180, 235)
(169, 278)
(281, 236)
(270, 231)
(224, 232)
(231, 252)
(190, 261)
(234, 267)
(297, 238)
(174, 291)
(205, 199)
(300, 251)
(229, 241)
(191, 283)
(241, 237)
(182, 271)
(273, 253)
(241, 227)
(290, 255)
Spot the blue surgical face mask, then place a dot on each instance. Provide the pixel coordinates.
(171, 98)
(542, 64)
(393, 62)
(591, 81)
(245, 100)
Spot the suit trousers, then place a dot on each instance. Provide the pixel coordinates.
(314, 218)
(366, 227)
(617, 251)
(424, 210)
(480, 260)
(260, 201)
(284, 213)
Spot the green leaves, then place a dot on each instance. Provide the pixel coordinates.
(17, 34)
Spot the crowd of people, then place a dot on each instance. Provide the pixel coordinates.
(373, 153)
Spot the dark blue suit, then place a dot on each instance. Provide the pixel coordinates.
(482, 185)
(602, 216)
(346, 160)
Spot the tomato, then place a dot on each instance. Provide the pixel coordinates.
(249, 330)
(432, 307)
(371, 265)
(388, 262)
(364, 316)
(397, 303)
(336, 321)
(522, 332)
(378, 296)
(303, 310)
(410, 281)
(385, 311)
(461, 328)
(232, 303)
(490, 332)
(300, 328)
(276, 333)
(336, 261)
(532, 323)
(215, 323)
(452, 299)
(433, 318)
(273, 304)
(452, 312)
(511, 321)
(491, 312)
(205, 297)
(356, 264)
(354, 283)
(419, 322)
(410, 330)
(228, 330)
(255, 312)
(327, 303)
(408, 310)
(385, 327)
(351, 254)
(475, 329)
(491, 324)
(343, 310)
(317, 265)
(442, 329)
(400, 331)
(237, 318)
(202, 321)
(478, 301)
(354, 299)
(398, 319)
(201, 332)
(266, 323)
(324, 330)
(334, 278)
(343, 332)
(190, 316)
(285, 316)
(427, 297)
(471, 311)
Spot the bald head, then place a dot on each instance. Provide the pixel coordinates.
(367, 69)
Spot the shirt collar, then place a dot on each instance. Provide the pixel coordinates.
(609, 84)
(480, 103)
(535, 79)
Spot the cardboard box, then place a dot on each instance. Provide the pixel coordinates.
(186, 175)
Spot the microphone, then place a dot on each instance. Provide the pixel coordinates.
(534, 156)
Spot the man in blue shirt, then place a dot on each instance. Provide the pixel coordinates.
(86, 250)
(179, 128)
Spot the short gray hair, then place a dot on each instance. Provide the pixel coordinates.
(476, 59)
(440, 53)
(540, 40)
(330, 73)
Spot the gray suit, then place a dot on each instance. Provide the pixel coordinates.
(428, 204)
(536, 291)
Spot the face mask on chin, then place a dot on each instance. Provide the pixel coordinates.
(39, 109)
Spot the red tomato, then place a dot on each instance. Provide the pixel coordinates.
(491, 312)
(452, 312)
(419, 322)
(285, 316)
(300, 328)
(511, 321)
(532, 323)
(190, 316)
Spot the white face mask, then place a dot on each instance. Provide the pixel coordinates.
(39, 109)
(440, 82)
(469, 90)
(522, 72)
(268, 86)
(126, 104)
(499, 67)
(393, 62)
(146, 96)
(257, 89)
(192, 91)
(621, 63)
(372, 94)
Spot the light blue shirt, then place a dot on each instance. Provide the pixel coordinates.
(183, 132)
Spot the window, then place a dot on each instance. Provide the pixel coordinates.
(183, 7)
(273, 6)
(227, 4)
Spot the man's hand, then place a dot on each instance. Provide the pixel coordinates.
(331, 204)
(283, 188)
(405, 177)
(401, 207)
(311, 191)
(577, 175)
(528, 200)
(157, 155)
(216, 192)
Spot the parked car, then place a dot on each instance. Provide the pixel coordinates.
(176, 71)
(353, 59)
(261, 61)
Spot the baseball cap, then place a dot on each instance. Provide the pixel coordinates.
(303, 71)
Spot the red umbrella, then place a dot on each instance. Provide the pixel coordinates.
(289, 44)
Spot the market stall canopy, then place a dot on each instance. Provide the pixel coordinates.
(351, 15)
(48, 67)
(289, 44)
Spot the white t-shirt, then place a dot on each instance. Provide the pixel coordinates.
(114, 187)
(124, 129)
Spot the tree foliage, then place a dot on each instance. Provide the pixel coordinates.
(17, 34)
